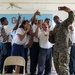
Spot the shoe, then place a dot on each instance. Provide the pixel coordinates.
(14, 71)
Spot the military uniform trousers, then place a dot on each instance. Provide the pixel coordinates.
(61, 61)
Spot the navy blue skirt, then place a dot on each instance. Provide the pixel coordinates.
(17, 50)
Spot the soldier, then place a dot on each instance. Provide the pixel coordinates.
(61, 47)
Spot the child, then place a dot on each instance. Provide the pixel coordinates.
(45, 54)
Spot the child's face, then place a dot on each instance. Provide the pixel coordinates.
(45, 26)
(26, 25)
(5, 22)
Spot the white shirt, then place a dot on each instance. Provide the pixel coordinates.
(43, 40)
(16, 38)
(51, 28)
(72, 36)
(34, 29)
(8, 29)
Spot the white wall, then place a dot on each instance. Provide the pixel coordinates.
(30, 6)
(63, 15)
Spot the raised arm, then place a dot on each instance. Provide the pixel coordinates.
(34, 16)
(70, 18)
(17, 24)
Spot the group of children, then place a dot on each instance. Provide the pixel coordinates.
(32, 35)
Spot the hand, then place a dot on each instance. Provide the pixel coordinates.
(37, 13)
(71, 27)
(39, 26)
(30, 31)
(19, 15)
(28, 28)
(67, 9)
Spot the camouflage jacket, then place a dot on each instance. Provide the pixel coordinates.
(61, 32)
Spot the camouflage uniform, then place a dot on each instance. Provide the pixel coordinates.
(61, 56)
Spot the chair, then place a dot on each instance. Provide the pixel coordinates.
(14, 60)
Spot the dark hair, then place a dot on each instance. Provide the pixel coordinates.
(55, 17)
(39, 21)
(2, 19)
(23, 22)
(47, 19)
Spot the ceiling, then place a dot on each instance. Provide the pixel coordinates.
(32, 5)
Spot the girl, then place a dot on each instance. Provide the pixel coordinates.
(19, 40)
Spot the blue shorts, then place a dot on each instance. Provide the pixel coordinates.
(17, 50)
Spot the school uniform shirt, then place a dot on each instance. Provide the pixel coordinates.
(16, 39)
(51, 28)
(34, 29)
(13, 33)
(43, 39)
(72, 36)
(1, 38)
(8, 29)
